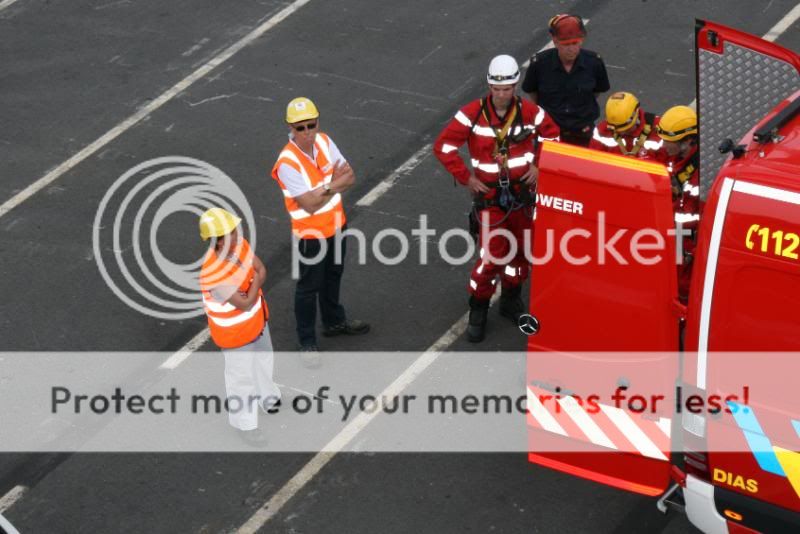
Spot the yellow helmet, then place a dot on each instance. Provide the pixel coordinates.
(622, 110)
(676, 123)
(301, 109)
(217, 222)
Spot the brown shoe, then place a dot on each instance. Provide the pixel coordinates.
(351, 327)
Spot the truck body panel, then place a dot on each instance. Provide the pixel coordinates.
(742, 324)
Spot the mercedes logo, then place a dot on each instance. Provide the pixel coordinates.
(528, 324)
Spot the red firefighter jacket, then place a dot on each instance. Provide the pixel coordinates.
(633, 143)
(470, 125)
(686, 202)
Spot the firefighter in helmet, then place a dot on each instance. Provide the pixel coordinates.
(678, 129)
(502, 132)
(628, 130)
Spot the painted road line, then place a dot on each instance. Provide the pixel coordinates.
(143, 112)
(783, 24)
(6, 527)
(8, 500)
(348, 433)
(193, 345)
(384, 185)
(5, 3)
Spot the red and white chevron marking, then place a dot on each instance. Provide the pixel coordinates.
(611, 427)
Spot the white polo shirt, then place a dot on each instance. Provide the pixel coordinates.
(293, 180)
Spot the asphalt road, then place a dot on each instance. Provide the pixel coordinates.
(386, 76)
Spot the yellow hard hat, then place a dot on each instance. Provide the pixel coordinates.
(217, 222)
(676, 123)
(301, 109)
(622, 110)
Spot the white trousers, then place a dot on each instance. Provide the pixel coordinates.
(248, 381)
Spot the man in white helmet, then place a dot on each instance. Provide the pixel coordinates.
(502, 132)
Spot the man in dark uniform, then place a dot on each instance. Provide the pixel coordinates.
(565, 80)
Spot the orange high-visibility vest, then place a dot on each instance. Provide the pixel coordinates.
(231, 327)
(330, 217)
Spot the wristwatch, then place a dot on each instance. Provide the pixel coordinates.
(327, 187)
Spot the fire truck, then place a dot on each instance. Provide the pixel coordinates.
(696, 405)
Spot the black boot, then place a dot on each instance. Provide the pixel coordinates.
(511, 304)
(476, 329)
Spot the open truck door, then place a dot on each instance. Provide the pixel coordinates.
(743, 327)
(603, 291)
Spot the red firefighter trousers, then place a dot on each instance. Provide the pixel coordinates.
(503, 239)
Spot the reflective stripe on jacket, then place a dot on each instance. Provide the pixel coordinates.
(686, 202)
(329, 218)
(470, 126)
(651, 149)
(231, 327)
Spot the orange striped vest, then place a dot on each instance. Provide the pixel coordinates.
(330, 217)
(231, 327)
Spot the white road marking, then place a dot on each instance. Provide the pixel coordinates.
(410, 164)
(6, 526)
(8, 500)
(783, 24)
(195, 343)
(429, 54)
(137, 117)
(5, 3)
(211, 99)
(113, 4)
(306, 393)
(200, 44)
(346, 435)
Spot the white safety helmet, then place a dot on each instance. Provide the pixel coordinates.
(503, 70)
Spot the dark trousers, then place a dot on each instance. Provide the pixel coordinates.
(577, 137)
(319, 281)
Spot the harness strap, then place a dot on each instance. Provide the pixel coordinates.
(501, 135)
(686, 172)
(515, 181)
(637, 146)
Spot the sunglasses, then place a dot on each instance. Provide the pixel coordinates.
(304, 127)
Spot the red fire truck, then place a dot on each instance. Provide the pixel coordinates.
(698, 405)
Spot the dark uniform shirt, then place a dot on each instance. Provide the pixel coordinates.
(569, 97)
